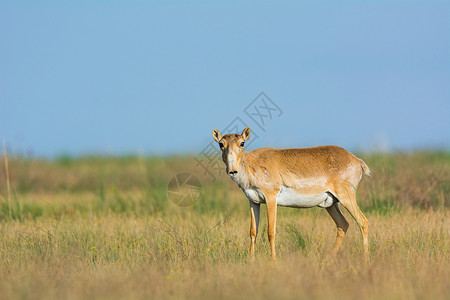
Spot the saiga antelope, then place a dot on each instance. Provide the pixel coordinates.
(303, 178)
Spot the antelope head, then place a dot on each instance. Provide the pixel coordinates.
(232, 146)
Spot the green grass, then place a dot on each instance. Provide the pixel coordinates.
(103, 228)
(299, 238)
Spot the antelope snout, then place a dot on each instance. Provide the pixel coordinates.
(232, 165)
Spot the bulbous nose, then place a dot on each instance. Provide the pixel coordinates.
(232, 172)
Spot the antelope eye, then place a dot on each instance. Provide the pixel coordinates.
(242, 144)
(220, 145)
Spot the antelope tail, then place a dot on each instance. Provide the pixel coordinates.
(365, 167)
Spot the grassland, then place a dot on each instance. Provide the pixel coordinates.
(103, 228)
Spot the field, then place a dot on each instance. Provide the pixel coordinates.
(103, 228)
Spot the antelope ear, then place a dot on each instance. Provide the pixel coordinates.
(246, 133)
(216, 135)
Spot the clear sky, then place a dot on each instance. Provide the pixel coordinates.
(116, 77)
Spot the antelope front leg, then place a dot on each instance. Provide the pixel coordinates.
(254, 223)
(271, 203)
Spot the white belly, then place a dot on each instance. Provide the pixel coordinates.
(291, 198)
(254, 195)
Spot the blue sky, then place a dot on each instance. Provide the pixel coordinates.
(121, 77)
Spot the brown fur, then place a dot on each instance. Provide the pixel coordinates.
(316, 170)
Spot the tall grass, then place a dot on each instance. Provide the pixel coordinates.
(97, 227)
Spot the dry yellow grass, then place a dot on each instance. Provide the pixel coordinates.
(185, 256)
(73, 235)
